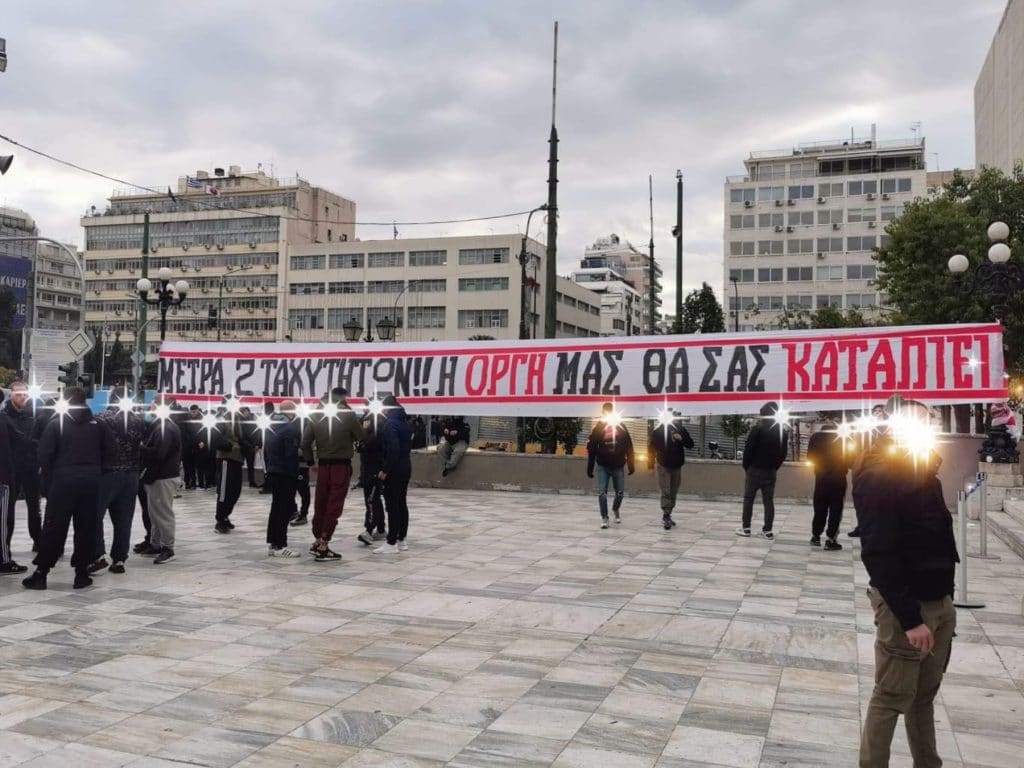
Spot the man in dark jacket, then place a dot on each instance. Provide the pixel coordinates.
(281, 460)
(161, 456)
(7, 486)
(191, 430)
(831, 457)
(73, 451)
(667, 454)
(250, 443)
(611, 448)
(395, 473)
(454, 443)
(763, 454)
(120, 482)
(371, 461)
(25, 430)
(909, 552)
(227, 441)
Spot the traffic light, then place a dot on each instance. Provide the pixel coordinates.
(69, 375)
(87, 382)
(211, 319)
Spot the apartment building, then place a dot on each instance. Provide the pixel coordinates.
(801, 225)
(227, 234)
(444, 288)
(622, 305)
(634, 266)
(56, 289)
(999, 95)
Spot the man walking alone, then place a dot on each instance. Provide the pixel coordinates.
(829, 454)
(763, 454)
(611, 448)
(668, 444)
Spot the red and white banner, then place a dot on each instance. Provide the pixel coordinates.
(721, 373)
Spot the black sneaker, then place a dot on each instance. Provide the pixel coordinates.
(855, 533)
(139, 548)
(98, 565)
(766, 535)
(815, 541)
(325, 555)
(117, 567)
(36, 581)
(82, 581)
(666, 521)
(12, 567)
(445, 471)
(165, 556)
(832, 545)
(222, 528)
(229, 524)
(149, 551)
(312, 547)
(298, 520)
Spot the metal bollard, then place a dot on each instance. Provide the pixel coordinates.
(982, 553)
(962, 600)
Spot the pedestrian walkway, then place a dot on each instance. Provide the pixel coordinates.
(514, 632)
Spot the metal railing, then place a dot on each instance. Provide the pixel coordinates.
(963, 500)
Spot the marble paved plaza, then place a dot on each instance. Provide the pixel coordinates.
(514, 632)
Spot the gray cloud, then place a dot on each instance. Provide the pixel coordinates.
(434, 110)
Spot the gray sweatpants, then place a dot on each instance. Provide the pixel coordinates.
(160, 494)
(450, 454)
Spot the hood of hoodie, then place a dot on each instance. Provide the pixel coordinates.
(80, 414)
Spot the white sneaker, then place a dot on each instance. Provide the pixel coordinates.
(743, 532)
(402, 546)
(386, 549)
(617, 518)
(604, 522)
(283, 552)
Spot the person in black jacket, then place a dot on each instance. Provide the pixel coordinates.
(73, 452)
(190, 439)
(161, 456)
(250, 442)
(667, 446)
(395, 473)
(25, 430)
(454, 443)
(281, 460)
(763, 454)
(8, 475)
(910, 554)
(611, 448)
(371, 462)
(831, 457)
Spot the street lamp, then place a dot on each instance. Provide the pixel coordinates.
(736, 303)
(352, 328)
(166, 295)
(386, 329)
(524, 304)
(998, 277)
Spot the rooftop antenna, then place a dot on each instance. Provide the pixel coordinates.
(915, 128)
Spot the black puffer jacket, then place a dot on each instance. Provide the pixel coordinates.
(161, 454)
(75, 444)
(668, 444)
(766, 446)
(24, 436)
(610, 446)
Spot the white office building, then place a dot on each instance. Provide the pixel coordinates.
(634, 266)
(621, 304)
(801, 225)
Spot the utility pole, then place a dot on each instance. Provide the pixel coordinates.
(143, 308)
(651, 290)
(551, 267)
(678, 325)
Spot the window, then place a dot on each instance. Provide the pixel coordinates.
(338, 316)
(347, 260)
(426, 317)
(741, 195)
(801, 192)
(861, 165)
(800, 246)
(618, 325)
(428, 259)
(483, 318)
(388, 259)
(801, 219)
(306, 319)
(770, 275)
(834, 300)
(860, 271)
(769, 220)
(804, 170)
(830, 216)
(305, 289)
(892, 186)
(354, 286)
(737, 248)
(438, 285)
(858, 300)
(483, 284)
(890, 212)
(471, 256)
(831, 168)
(385, 286)
(830, 245)
(830, 190)
(769, 302)
(829, 273)
(865, 243)
(769, 247)
(799, 274)
(854, 215)
(309, 262)
(866, 187)
(883, 241)
(745, 302)
(800, 302)
(770, 193)
(741, 221)
(741, 275)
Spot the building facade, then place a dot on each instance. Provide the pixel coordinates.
(56, 289)
(621, 303)
(999, 95)
(801, 225)
(632, 264)
(227, 234)
(431, 288)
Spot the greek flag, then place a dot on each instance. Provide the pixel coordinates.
(193, 183)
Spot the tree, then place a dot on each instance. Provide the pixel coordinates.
(119, 357)
(481, 337)
(701, 313)
(735, 427)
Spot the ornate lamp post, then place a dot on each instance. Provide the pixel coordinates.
(165, 295)
(997, 279)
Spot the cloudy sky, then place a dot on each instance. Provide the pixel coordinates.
(432, 110)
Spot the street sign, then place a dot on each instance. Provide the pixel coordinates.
(47, 349)
(138, 357)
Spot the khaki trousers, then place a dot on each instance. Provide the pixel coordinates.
(906, 684)
(668, 482)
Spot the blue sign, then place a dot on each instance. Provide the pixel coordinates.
(14, 276)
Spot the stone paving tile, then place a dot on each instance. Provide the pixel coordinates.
(486, 645)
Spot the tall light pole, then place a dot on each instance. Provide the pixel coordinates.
(551, 266)
(736, 308)
(166, 295)
(524, 305)
(651, 293)
(678, 233)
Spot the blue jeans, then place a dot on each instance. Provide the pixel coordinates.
(618, 478)
(117, 493)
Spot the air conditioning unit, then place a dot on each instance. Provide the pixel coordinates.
(227, 311)
(778, 228)
(821, 200)
(267, 266)
(208, 246)
(97, 291)
(228, 288)
(870, 196)
(110, 271)
(885, 195)
(821, 256)
(264, 288)
(778, 203)
(185, 246)
(252, 310)
(154, 249)
(252, 243)
(220, 246)
(259, 333)
(871, 225)
(748, 204)
(835, 225)
(203, 333)
(204, 289)
(870, 283)
(131, 270)
(251, 332)
(789, 229)
(250, 288)
(98, 271)
(791, 201)
(117, 312)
